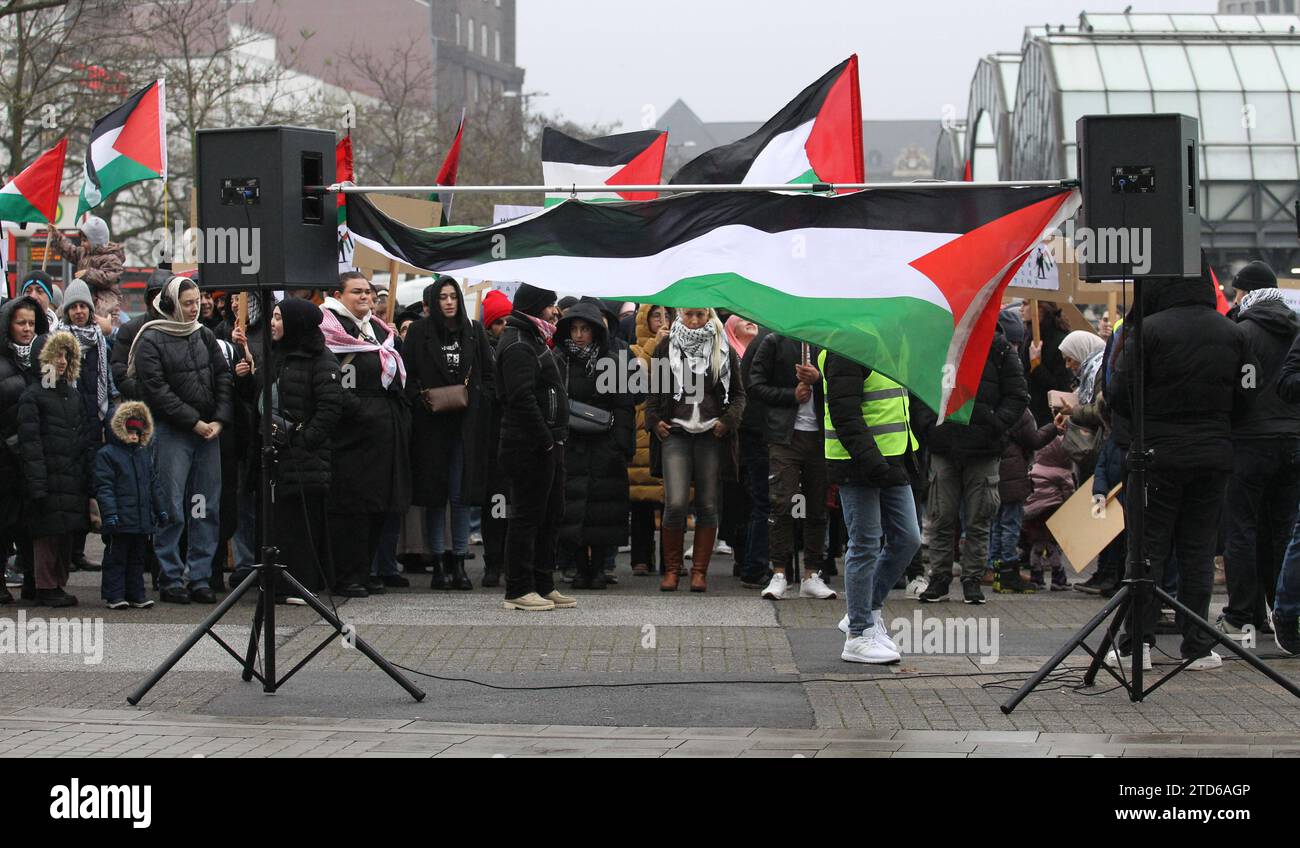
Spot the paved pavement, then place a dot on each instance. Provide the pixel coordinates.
(734, 676)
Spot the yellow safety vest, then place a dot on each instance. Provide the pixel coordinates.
(886, 411)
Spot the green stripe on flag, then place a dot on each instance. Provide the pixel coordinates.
(14, 207)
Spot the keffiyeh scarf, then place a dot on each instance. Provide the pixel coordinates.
(90, 336)
(340, 343)
(696, 350)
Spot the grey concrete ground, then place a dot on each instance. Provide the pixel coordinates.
(746, 677)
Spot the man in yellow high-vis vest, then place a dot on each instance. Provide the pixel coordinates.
(871, 456)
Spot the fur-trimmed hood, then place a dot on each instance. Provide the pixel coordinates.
(132, 409)
(60, 344)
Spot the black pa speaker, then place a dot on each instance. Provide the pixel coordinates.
(1141, 196)
(257, 225)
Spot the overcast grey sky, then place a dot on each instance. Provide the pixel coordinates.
(735, 60)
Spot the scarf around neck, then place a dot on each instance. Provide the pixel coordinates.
(172, 325)
(341, 343)
(1088, 377)
(584, 355)
(24, 353)
(90, 336)
(546, 328)
(1258, 296)
(362, 324)
(695, 349)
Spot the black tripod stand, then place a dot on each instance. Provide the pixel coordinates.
(1139, 590)
(267, 577)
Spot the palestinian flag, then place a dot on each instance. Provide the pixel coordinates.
(817, 137)
(128, 145)
(447, 173)
(635, 158)
(907, 281)
(343, 172)
(33, 195)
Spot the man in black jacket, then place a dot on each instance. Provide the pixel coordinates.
(534, 424)
(1260, 507)
(1197, 373)
(964, 463)
(1286, 606)
(754, 572)
(784, 376)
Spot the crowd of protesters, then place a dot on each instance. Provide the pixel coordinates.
(555, 434)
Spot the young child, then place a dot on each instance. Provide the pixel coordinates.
(1014, 488)
(1053, 484)
(130, 504)
(56, 465)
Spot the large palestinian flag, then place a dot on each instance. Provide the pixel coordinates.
(817, 137)
(907, 281)
(33, 195)
(128, 145)
(635, 158)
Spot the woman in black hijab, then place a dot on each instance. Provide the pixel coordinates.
(449, 449)
(307, 398)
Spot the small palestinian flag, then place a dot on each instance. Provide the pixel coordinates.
(447, 173)
(128, 145)
(33, 195)
(817, 137)
(635, 158)
(343, 171)
(907, 281)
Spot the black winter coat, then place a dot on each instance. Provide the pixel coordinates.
(535, 408)
(371, 449)
(432, 435)
(184, 379)
(311, 397)
(866, 466)
(596, 497)
(1195, 360)
(1050, 374)
(1014, 485)
(56, 463)
(772, 382)
(119, 357)
(14, 380)
(126, 487)
(1269, 329)
(1001, 399)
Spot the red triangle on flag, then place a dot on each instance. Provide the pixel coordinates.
(141, 137)
(41, 181)
(834, 146)
(343, 164)
(962, 269)
(645, 169)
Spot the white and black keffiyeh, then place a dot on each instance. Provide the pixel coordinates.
(697, 350)
(90, 336)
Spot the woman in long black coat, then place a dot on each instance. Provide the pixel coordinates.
(596, 501)
(449, 450)
(308, 397)
(22, 321)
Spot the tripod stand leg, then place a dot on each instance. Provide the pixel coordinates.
(1223, 640)
(1109, 639)
(252, 642)
(359, 643)
(1065, 650)
(190, 641)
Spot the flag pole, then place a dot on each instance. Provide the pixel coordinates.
(49, 242)
(339, 188)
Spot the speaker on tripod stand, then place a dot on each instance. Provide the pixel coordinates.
(1139, 175)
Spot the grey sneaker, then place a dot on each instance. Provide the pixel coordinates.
(1227, 628)
(532, 602)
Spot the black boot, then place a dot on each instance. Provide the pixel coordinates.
(438, 580)
(491, 575)
(456, 576)
(1009, 580)
(5, 597)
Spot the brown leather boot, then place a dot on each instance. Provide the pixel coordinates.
(674, 548)
(704, 539)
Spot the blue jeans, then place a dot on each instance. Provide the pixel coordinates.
(189, 475)
(1005, 533)
(459, 510)
(245, 538)
(870, 569)
(1287, 603)
(753, 453)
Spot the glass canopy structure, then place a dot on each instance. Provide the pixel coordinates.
(1239, 75)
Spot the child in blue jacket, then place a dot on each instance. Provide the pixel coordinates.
(129, 503)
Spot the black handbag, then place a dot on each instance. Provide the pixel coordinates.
(588, 420)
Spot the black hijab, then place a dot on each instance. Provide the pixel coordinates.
(302, 333)
(443, 332)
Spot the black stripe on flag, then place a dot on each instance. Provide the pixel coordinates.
(605, 151)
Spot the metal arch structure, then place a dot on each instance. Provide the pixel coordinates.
(950, 152)
(989, 102)
(1038, 141)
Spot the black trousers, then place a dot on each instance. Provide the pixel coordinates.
(1259, 512)
(353, 540)
(536, 480)
(1182, 513)
(643, 532)
(797, 468)
(302, 534)
(494, 524)
(125, 555)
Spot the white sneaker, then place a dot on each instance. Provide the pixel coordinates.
(916, 586)
(813, 586)
(776, 587)
(721, 547)
(476, 538)
(1115, 660)
(868, 648)
(882, 632)
(1209, 662)
(295, 602)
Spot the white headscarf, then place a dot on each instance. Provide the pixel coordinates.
(172, 325)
